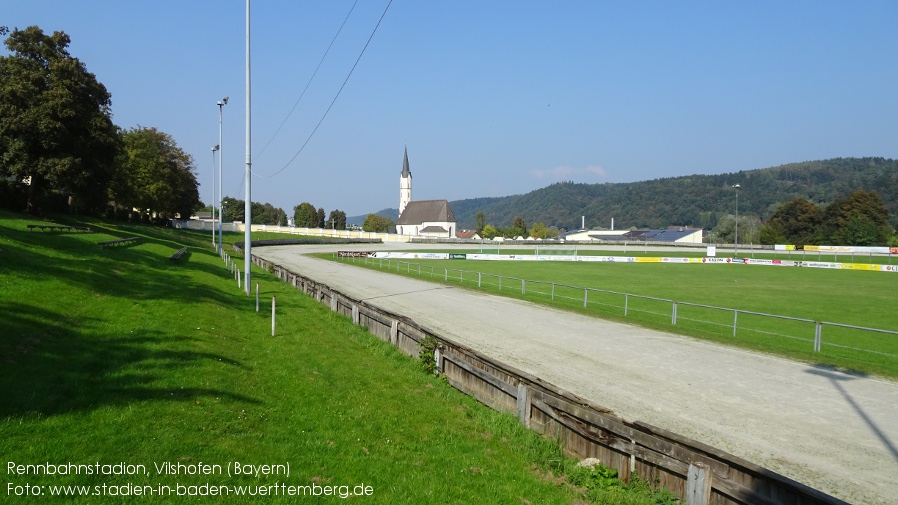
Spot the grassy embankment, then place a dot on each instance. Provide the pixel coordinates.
(119, 355)
(858, 298)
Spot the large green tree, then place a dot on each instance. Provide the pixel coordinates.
(377, 224)
(861, 219)
(56, 129)
(305, 215)
(154, 175)
(336, 220)
(796, 222)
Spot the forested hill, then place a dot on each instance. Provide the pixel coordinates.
(693, 200)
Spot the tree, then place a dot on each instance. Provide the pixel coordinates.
(489, 231)
(378, 224)
(539, 230)
(336, 220)
(481, 222)
(232, 210)
(861, 216)
(154, 175)
(319, 218)
(305, 215)
(518, 228)
(796, 223)
(56, 127)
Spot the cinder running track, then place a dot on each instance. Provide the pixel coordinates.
(832, 431)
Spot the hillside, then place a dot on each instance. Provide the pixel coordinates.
(692, 200)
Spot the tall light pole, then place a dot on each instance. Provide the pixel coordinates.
(247, 250)
(214, 148)
(221, 104)
(736, 240)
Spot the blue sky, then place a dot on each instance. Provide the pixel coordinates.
(492, 98)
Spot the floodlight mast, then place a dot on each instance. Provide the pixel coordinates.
(736, 239)
(221, 103)
(247, 248)
(214, 148)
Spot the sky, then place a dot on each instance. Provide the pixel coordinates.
(491, 98)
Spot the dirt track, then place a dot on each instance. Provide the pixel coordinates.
(832, 431)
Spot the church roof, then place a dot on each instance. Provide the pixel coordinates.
(427, 211)
(405, 171)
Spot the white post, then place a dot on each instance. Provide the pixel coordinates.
(273, 303)
(257, 297)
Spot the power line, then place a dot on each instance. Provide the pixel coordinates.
(310, 80)
(335, 97)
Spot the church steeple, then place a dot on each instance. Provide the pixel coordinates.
(405, 184)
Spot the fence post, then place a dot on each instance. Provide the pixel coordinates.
(478, 279)
(553, 291)
(394, 333)
(500, 283)
(523, 287)
(272, 315)
(673, 316)
(585, 297)
(355, 314)
(257, 297)
(445, 275)
(523, 404)
(238, 278)
(333, 302)
(626, 303)
(818, 334)
(698, 484)
(735, 320)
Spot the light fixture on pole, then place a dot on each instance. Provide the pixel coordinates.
(221, 103)
(736, 240)
(214, 148)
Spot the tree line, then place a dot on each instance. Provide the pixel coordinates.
(60, 151)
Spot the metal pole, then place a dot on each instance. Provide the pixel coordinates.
(221, 103)
(257, 297)
(273, 303)
(216, 148)
(247, 247)
(736, 240)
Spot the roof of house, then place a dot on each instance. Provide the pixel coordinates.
(465, 233)
(427, 211)
(668, 235)
(434, 229)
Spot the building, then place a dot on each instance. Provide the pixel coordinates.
(424, 218)
(675, 235)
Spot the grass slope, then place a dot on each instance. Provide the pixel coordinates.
(119, 355)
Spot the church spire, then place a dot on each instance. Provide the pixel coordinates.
(405, 184)
(405, 171)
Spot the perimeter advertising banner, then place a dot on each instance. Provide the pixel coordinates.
(355, 254)
(620, 259)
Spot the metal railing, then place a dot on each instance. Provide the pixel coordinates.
(803, 331)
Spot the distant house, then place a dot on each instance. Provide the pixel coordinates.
(676, 235)
(467, 234)
(427, 218)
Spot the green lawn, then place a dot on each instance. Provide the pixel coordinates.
(118, 355)
(855, 298)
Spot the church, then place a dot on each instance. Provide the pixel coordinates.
(422, 218)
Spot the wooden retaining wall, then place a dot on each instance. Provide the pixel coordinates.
(698, 473)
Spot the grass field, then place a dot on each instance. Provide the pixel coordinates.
(118, 355)
(855, 298)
